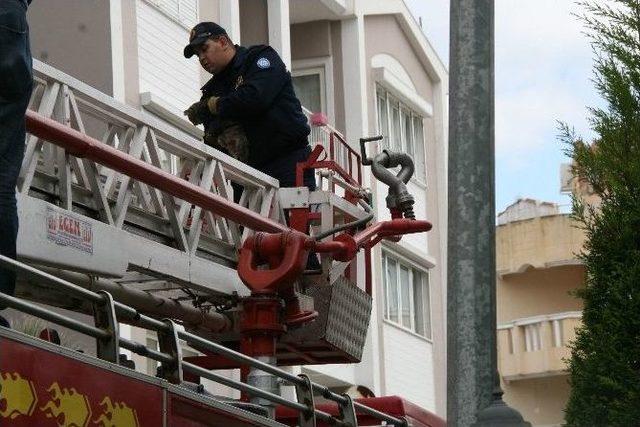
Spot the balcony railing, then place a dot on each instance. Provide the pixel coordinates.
(536, 346)
(335, 145)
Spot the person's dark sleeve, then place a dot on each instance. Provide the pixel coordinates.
(15, 62)
(260, 87)
(203, 114)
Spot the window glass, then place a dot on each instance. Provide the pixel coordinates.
(383, 119)
(385, 287)
(396, 129)
(537, 337)
(419, 149)
(418, 305)
(402, 130)
(392, 289)
(309, 91)
(533, 341)
(426, 304)
(407, 133)
(422, 303)
(406, 291)
(405, 297)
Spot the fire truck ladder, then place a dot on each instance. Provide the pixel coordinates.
(78, 215)
(117, 227)
(149, 216)
(115, 200)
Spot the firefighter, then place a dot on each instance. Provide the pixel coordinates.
(16, 83)
(249, 108)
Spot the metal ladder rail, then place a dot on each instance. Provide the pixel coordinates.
(106, 333)
(83, 187)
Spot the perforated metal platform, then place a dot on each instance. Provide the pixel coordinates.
(338, 334)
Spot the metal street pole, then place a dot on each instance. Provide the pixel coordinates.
(473, 398)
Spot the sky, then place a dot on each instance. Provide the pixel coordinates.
(543, 72)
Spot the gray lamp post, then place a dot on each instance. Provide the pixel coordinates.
(474, 396)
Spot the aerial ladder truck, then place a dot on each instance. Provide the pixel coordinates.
(132, 221)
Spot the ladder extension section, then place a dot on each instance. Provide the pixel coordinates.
(113, 225)
(83, 146)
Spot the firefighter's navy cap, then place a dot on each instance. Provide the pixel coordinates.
(199, 34)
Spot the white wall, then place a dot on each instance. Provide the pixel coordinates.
(408, 367)
(164, 71)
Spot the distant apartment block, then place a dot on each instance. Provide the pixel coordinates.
(537, 314)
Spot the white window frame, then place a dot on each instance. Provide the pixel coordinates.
(187, 24)
(324, 67)
(382, 92)
(317, 71)
(412, 267)
(402, 89)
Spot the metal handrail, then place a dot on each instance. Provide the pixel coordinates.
(159, 326)
(346, 164)
(51, 316)
(81, 145)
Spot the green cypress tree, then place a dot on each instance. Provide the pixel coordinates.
(605, 357)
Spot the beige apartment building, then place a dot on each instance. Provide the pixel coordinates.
(537, 314)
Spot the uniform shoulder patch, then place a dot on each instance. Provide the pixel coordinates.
(263, 63)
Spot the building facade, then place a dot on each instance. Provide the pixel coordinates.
(368, 67)
(537, 312)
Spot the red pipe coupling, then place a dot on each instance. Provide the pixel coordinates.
(285, 253)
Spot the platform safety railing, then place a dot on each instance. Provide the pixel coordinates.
(336, 147)
(109, 312)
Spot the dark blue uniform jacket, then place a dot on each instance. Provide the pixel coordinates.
(256, 90)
